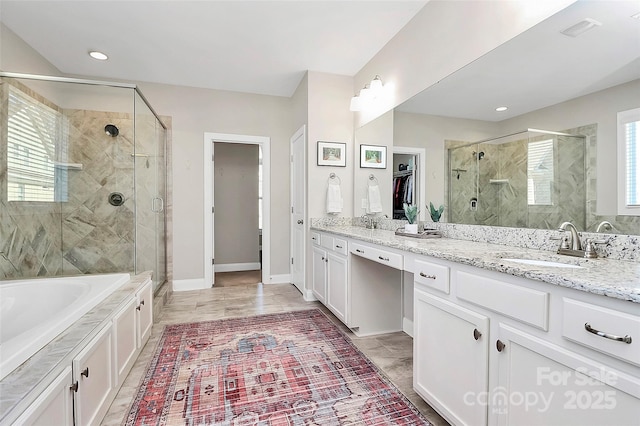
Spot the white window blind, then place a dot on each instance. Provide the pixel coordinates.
(540, 165)
(31, 141)
(629, 162)
(632, 181)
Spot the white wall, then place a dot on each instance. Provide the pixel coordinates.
(442, 38)
(236, 202)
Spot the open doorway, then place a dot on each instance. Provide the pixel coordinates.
(238, 219)
(258, 235)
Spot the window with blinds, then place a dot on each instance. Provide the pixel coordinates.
(629, 162)
(32, 131)
(540, 166)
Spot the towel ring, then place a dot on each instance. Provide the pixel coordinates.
(335, 176)
(372, 180)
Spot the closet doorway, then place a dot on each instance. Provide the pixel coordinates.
(408, 180)
(237, 231)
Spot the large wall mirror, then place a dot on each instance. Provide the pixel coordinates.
(567, 87)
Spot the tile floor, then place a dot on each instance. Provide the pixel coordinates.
(239, 294)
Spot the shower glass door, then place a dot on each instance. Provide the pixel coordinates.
(149, 158)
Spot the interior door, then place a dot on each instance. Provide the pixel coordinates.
(213, 215)
(298, 197)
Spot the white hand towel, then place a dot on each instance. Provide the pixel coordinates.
(334, 198)
(375, 201)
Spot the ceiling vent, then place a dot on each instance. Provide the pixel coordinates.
(579, 28)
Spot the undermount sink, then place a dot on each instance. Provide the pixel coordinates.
(549, 263)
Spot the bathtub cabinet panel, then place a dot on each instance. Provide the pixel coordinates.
(125, 339)
(145, 313)
(93, 373)
(54, 406)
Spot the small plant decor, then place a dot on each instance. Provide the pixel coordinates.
(410, 212)
(435, 214)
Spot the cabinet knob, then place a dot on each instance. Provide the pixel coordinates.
(476, 334)
(326, 260)
(500, 346)
(85, 372)
(140, 305)
(300, 222)
(74, 387)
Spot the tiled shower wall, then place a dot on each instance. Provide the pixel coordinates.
(85, 234)
(501, 186)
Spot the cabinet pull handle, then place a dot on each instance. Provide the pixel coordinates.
(625, 339)
(338, 246)
(360, 251)
(476, 334)
(500, 346)
(300, 222)
(431, 277)
(322, 257)
(386, 259)
(85, 372)
(74, 387)
(326, 260)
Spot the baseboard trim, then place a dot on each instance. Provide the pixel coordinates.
(236, 267)
(192, 284)
(280, 279)
(407, 326)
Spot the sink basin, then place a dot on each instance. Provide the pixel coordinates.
(547, 263)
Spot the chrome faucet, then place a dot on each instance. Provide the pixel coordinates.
(574, 240)
(604, 225)
(368, 221)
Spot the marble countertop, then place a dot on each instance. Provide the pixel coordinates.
(613, 278)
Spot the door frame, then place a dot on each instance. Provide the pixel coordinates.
(265, 143)
(300, 133)
(421, 153)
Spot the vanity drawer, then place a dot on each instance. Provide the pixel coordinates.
(315, 238)
(339, 246)
(520, 303)
(384, 257)
(578, 317)
(431, 275)
(326, 241)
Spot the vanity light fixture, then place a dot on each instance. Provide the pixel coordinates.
(502, 108)
(98, 55)
(367, 94)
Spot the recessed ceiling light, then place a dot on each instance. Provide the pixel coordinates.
(502, 108)
(98, 55)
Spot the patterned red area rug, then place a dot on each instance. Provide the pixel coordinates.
(294, 368)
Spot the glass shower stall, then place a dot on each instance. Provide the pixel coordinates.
(82, 179)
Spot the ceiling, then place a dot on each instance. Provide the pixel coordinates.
(261, 47)
(542, 67)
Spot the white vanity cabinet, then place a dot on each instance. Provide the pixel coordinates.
(450, 353)
(125, 336)
(54, 406)
(93, 378)
(330, 269)
(490, 348)
(144, 313)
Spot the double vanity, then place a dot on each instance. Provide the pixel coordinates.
(502, 335)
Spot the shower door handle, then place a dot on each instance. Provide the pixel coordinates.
(154, 205)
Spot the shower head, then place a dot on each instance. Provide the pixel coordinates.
(111, 130)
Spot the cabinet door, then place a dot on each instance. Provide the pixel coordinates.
(542, 384)
(145, 313)
(125, 339)
(93, 373)
(450, 358)
(319, 277)
(337, 285)
(54, 406)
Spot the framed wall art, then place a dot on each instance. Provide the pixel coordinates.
(373, 157)
(332, 154)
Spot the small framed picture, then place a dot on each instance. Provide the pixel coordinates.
(332, 154)
(373, 157)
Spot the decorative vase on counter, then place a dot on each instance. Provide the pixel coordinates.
(411, 228)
